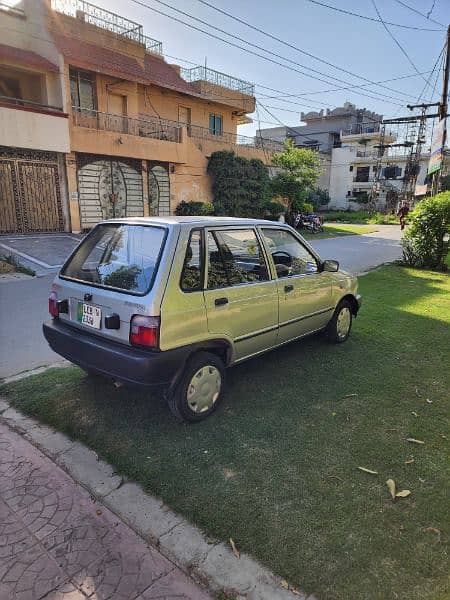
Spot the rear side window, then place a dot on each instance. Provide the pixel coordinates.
(234, 258)
(192, 274)
(122, 257)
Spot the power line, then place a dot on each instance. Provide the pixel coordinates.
(395, 40)
(347, 12)
(431, 9)
(418, 12)
(427, 83)
(289, 45)
(176, 19)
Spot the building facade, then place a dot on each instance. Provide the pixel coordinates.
(127, 133)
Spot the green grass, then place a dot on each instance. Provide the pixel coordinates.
(276, 467)
(337, 230)
(360, 216)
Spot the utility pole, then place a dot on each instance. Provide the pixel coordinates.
(443, 111)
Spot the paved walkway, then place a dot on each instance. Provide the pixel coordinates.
(58, 543)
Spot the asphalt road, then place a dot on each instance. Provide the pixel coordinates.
(24, 303)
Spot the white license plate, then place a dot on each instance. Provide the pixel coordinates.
(89, 315)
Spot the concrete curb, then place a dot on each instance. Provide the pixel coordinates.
(209, 562)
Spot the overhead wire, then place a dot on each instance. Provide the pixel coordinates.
(427, 83)
(418, 12)
(353, 14)
(249, 51)
(391, 35)
(289, 45)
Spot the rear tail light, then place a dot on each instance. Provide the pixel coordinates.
(53, 305)
(144, 331)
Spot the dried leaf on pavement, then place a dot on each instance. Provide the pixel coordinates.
(235, 550)
(284, 584)
(414, 441)
(403, 494)
(391, 486)
(368, 470)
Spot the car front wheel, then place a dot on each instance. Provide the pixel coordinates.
(199, 390)
(339, 327)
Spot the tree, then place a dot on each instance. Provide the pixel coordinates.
(300, 172)
(241, 187)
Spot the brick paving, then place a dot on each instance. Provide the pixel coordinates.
(59, 543)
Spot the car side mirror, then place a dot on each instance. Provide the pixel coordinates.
(331, 266)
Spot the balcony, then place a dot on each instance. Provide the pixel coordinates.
(105, 19)
(27, 124)
(235, 140)
(151, 127)
(222, 88)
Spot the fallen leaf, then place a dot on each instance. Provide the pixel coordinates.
(418, 393)
(349, 396)
(368, 470)
(403, 494)
(334, 477)
(414, 441)
(429, 401)
(414, 413)
(421, 480)
(432, 530)
(391, 429)
(296, 592)
(98, 512)
(235, 550)
(409, 462)
(284, 584)
(391, 487)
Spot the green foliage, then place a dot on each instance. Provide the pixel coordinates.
(426, 242)
(273, 210)
(445, 183)
(361, 197)
(194, 208)
(359, 216)
(317, 197)
(308, 208)
(240, 186)
(301, 170)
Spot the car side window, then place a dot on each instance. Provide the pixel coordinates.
(288, 254)
(191, 275)
(234, 258)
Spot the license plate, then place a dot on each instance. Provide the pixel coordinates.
(89, 315)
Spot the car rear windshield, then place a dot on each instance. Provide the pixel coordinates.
(123, 257)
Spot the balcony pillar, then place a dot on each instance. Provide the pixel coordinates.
(145, 189)
(72, 187)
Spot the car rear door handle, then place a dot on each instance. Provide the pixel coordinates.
(288, 288)
(220, 301)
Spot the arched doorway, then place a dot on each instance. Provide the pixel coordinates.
(158, 189)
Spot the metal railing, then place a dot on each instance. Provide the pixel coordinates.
(233, 139)
(361, 128)
(151, 127)
(217, 78)
(368, 154)
(105, 19)
(152, 45)
(29, 104)
(362, 179)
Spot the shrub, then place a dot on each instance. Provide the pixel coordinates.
(308, 208)
(189, 208)
(317, 197)
(208, 208)
(426, 242)
(273, 210)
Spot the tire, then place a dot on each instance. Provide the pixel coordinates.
(340, 325)
(191, 402)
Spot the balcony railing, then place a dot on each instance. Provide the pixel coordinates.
(217, 78)
(233, 139)
(368, 154)
(29, 104)
(151, 127)
(105, 19)
(361, 128)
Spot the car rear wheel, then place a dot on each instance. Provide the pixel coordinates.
(339, 327)
(199, 390)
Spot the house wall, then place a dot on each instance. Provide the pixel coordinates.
(34, 130)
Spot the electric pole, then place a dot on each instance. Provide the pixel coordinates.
(443, 111)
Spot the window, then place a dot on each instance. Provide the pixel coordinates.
(351, 168)
(215, 124)
(234, 258)
(82, 89)
(191, 276)
(362, 174)
(289, 255)
(123, 257)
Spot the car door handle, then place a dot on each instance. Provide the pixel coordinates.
(220, 301)
(288, 288)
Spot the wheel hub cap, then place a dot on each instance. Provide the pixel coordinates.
(343, 322)
(204, 389)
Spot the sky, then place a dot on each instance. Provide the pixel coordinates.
(361, 47)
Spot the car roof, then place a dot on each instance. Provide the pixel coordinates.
(191, 220)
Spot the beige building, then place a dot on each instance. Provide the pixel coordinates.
(123, 131)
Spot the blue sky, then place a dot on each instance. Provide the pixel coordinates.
(359, 46)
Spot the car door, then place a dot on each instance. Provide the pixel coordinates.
(240, 298)
(305, 293)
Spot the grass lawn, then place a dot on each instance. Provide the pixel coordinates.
(276, 468)
(338, 229)
(360, 216)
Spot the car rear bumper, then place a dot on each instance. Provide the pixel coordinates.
(112, 360)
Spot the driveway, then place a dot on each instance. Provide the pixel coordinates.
(23, 303)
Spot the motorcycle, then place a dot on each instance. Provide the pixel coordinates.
(312, 222)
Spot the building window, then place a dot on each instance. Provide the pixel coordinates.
(215, 124)
(362, 174)
(351, 168)
(82, 89)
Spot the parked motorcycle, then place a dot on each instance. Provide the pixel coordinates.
(312, 222)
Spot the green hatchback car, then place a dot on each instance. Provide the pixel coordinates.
(175, 301)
